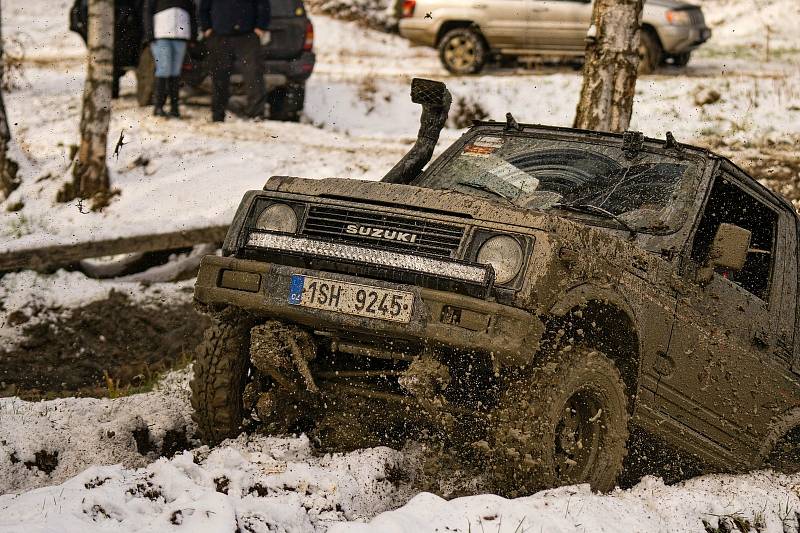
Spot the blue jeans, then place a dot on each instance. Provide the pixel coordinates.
(168, 54)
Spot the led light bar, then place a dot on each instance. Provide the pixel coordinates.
(425, 265)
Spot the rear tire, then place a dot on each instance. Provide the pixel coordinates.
(463, 51)
(286, 103)
(785, 454)
(145, 78)
(650, 52)
(221, 367)
(565, 423)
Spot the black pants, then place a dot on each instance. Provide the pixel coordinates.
(224, 52)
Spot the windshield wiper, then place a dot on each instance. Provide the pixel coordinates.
(484, 188)
(594, 210)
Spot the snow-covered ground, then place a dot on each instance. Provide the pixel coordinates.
(359, 121)
(104, 480)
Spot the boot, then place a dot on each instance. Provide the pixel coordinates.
(160, 97)
(174, 93)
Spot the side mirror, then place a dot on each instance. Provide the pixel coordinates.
(729, 250)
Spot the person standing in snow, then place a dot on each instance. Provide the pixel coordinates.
(168, 25)
(234, 29)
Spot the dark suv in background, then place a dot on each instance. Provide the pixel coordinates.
(288, 57)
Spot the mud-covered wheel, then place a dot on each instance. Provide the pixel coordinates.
(463, 51)
(562, 424)
(221, 367)
(650, 52)
(785, 454)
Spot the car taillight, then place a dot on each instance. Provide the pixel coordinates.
(408, 8)
(308, 44)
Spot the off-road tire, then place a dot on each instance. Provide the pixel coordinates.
(784, 456)
(145, 78)
(463, 51)
(651, 54)
(580, 387)
(221, 366)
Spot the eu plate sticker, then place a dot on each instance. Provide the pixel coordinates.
(296, 289)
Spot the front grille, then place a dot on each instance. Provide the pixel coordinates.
(697, 18)
(388, 232)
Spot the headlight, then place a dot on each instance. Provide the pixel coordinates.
(277, 217)
(679, 18)
(504, 254)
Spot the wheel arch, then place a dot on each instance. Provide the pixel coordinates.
(606, 319)
(448, 25)
(646, 26)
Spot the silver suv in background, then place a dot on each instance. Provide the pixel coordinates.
(469, 33)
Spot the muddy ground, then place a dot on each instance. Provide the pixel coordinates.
(109, 347)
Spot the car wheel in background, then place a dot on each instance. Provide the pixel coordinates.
(650, 52)
(286, 103)
(145, 77)
(681, 60)
(463, 51)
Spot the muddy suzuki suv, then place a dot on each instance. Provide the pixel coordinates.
(534, 293)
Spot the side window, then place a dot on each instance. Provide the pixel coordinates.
(731, 204)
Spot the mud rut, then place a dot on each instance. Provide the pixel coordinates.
(108, 347)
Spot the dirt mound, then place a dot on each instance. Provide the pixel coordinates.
(107, 347)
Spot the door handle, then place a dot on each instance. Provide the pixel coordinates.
(539, 9)
(480, 6)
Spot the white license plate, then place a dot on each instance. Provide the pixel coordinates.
(351, 298)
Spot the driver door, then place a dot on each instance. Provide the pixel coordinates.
(722, 369)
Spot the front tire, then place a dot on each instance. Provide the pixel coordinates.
(681, 60)
(565, 423)
(221, 367)
(650, 52)
(463, 51)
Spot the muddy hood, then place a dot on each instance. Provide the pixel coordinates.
(452, 203)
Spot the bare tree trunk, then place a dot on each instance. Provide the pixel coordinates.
(612, 61)
(90, 173)
(8, 167)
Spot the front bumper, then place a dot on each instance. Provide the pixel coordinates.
(681, 39)
(456, 321)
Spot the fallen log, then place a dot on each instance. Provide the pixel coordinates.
(48, 257)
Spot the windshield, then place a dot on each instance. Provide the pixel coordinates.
(646, 193)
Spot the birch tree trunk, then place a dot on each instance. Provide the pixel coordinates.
(8, 167)
(90, 174)
(612, 60)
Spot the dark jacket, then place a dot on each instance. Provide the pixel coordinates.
(234, 17)
(127, 29)
(151, 7)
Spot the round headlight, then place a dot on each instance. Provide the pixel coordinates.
(277, 217)
(504, 254)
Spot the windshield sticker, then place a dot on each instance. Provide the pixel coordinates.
(478, 151)
(489, 142)
(483, 146)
